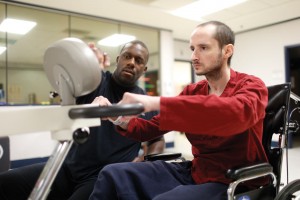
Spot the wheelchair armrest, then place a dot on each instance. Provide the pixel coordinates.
(243, 174)
(163, 156)
(249, 171)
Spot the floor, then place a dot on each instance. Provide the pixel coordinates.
(293, 160)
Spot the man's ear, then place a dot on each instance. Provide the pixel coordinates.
(117, 59)
(228, 50)
(145, 69)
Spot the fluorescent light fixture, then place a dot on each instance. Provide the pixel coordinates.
(16, 26)
(116, 40)
(2, 49)
(200, 8)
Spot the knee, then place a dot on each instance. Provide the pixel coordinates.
(108, 169)
(116, 170)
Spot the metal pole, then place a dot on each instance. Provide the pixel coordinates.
(43, 184)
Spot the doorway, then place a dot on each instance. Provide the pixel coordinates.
(182, 74)
(292, 68)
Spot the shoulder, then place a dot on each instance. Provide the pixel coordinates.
(238, 78)
(138, 90)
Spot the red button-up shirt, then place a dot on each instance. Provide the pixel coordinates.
(225, 131)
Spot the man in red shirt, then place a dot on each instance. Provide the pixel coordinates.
(222, 117)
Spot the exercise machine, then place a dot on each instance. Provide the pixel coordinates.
(73, 70)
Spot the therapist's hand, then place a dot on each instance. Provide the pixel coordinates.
(103, 57)
(102, 101)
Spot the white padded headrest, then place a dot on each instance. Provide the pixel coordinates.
(70, 60)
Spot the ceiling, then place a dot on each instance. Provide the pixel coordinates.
(155, 13)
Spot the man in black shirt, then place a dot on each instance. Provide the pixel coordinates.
(76, 178)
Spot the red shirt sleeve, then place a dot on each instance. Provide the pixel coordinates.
(142, 130)
(239, 107)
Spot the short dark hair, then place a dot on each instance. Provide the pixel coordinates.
(136, 42)
(224, 35)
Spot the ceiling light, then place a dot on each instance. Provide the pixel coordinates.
(2, 49)
(200, 8)
(16, 26)
(116, 40)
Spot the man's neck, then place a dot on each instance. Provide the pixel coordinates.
(122, 84)
(217, 85)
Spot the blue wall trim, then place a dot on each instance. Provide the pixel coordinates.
(24, 162)
(21, 163)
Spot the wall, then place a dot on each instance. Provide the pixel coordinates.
(166, 78)
(18, 92)
(29, 146)
(40, 145)
(261, 52)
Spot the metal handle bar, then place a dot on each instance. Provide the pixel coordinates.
(106, 111)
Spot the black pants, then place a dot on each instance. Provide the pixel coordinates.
(156, 180)
(17, 184)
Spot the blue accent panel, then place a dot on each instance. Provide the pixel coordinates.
(274, 144)
(169, 144)
(21, 163)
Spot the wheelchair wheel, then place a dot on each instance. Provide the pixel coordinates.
(289, 191)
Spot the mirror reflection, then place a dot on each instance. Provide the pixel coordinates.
(22, 78)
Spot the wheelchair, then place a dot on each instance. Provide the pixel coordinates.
(292, 189)
(275, 124)
(4, 153)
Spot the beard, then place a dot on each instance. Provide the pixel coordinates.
(124, 80)
(212, 71)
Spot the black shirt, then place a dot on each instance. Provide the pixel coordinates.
(104, 145)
